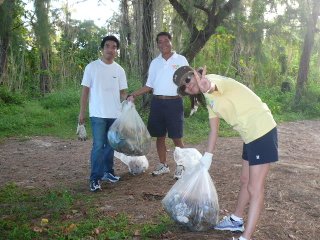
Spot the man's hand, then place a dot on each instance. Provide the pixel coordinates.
(130, 98)
(206, 160)
(81, 132)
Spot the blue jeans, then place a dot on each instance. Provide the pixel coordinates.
(101, 153)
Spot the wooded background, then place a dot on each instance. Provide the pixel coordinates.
(265, 43)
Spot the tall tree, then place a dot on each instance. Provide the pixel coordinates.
(6, 23)
(42, 30)
(137, 35)
(239, 42)
(158, 9)
(147, 35)
(147, 42)
(216, 12)
(254, 42)
(125, 33)
(306, 52)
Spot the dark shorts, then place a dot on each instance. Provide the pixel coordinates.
(166, 117)
(262, 150)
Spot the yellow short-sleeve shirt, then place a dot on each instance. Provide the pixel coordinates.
(240, 107)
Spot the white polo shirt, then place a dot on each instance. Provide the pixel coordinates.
(105, 82)
(160, 75)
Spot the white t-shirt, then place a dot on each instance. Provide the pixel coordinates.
(160, 76)
(105, 82)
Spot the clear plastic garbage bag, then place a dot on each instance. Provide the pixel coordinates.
(193, 201)
(186, 157)
(136, 164)
(128, 134)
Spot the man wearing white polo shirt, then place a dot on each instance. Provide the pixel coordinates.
(166, 110)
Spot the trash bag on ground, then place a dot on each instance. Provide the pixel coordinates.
(193, 201)
(128, 134)
(136, 164)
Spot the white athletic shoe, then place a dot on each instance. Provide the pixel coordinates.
(161, 169)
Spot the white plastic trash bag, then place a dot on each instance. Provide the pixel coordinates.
(136, 164)
(193, 201)
(186, 157)
(128, 134)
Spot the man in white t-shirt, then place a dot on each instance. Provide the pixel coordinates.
(104, 83)
(166, 112)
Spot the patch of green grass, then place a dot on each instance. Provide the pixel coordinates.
(66, 98)
(99, 227)
(54, 115)
(197, 127)
(150, 231)
(60, 214)
(20, 208)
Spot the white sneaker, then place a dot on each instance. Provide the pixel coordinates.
(227, 223)
(179, 171)
(161, 169)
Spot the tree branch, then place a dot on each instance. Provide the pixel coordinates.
(203, 8)
(213, 7)
(226, 9)
(187, 18)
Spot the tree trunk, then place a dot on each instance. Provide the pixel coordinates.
(6, 21)
(306, 52)
(42, 32)
(138, 22)
(158, 7)
(238, 43)
(147, 36)
(45, 82)
(125, 34)
(255, 40)
(147, 42)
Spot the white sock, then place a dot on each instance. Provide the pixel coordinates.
(241, 238)
(238, 219)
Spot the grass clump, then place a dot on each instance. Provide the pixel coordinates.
(8, 97)
(61, 214)
(54, 115)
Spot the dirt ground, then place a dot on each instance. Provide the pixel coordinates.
(292, 207)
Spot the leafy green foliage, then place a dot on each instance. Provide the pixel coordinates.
(63, 99)
(9, 97)
(216, 55)
(282, 106)
(310, 103)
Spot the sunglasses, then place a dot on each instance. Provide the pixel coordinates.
(183, 87)
(188, 79)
